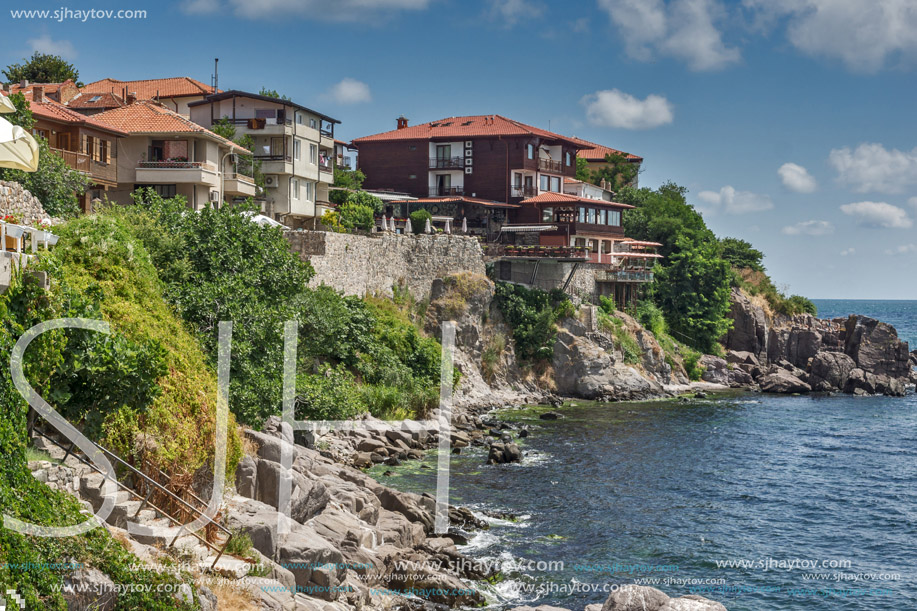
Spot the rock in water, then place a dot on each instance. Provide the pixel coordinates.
(830, 370)
(783, 382)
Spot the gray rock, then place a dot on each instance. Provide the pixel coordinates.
(246, 477)
(412, 506)
(716, 370)
(206, 599)
(501, 453)
(875, 347)
(635, 598)
(691, 603)
(89, 588)
(830, 370)
(749, 326)
(783, 382)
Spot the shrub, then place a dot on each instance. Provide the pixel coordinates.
(796, 304)
(492, 355)
(607, 304)
(357, 216)
(531, 313)
(327, 395)
(419, 220)
(651, 317)
(692, 365)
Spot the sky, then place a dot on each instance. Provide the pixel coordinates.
(790, 122)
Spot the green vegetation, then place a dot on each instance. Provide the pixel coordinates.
(492, 355)
(249, 166)
(349, 181)
(692, 283)
(272, 93)
(617, 174)
(357, 216)
(419, 220)
(532, 313)
(55, 184)
(42, 68)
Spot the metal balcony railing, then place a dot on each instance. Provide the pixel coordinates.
(444, 163)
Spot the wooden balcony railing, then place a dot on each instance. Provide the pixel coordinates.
(549, 165)
(77, 161)
(523, 191)
(446, 191)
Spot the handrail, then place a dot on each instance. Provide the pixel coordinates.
(146, 500)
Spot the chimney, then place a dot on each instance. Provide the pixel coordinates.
(402, 122)
(38, 94)
(131, 97)
(23, 83)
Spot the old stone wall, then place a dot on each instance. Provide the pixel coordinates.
(552, 275)
(361, 265)
(16, 200)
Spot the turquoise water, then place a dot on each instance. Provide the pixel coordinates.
(901, 314)
(678, 489)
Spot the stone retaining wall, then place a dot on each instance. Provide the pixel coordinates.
(14, 199)
(361, 265)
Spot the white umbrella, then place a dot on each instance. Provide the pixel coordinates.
(384, 223)
(18, 149)
(426, 227)
(6, 106)
(448, 226)
(464, 225)
(263, 220)
(407, 226)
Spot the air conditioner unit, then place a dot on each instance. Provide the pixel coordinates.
(271, 181)
(214, 196)
(468, 144)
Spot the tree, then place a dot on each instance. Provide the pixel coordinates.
(42, 68)
(693, 290)
(740, 254)
(346, 179)
(272, 93)
(357, 216)
(582, 170)
(618, 173)
(662, 215)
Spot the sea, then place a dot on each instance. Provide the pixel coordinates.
(760, 502)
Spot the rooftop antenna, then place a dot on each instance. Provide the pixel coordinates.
(216, 74)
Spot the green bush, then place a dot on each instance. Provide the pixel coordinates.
(692, 365)
(357, 216)
(531, 313)
(327, 395)
(651, 317)
(607, 304)
(419, 220)
(796, 304)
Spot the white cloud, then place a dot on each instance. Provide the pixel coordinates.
(683, 29)
(350, 91)
(511, 12)
(200, 7)
(872, 167)
(614, 108)
(45, 44)
(863, 34)
(796, 178)
(731, 201)
(339, 10)
(848, 251)
(878, 214)
(904, 249)
(813, 228)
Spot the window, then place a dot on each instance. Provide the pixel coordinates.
(590, 216)
(568, 158)
(165, 191)
(581, 217)
(547, 215)
(443, 151)
(530, 149)
(555, 184)
(517, 179)
(309, 191)
(603, 216)
(300, 119)
(313, 124)
(614, 218)
(313, 154)
(295, 188)
(297, 149)
(544, 183)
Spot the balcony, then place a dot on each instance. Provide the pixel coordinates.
(447, 163)
(239, 184)
(523, 191)
(274, 157)
(343, 162)
(446, 191)
(77, 161)
(326, 166)
(624, 275)
(177, 172)
(549, 165)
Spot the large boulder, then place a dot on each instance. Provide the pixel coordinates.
(830, 370)
(501, 453)
(692, 603)
(89, 588)
(779, 380)
(635, 598)
(875, 347)
(716, 370)
(749, 326)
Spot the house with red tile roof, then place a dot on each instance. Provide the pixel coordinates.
(87, 145)
(596, 156)
(57, 92)
(174, 93)
(488, 157)
(174, 156)
(94, 103)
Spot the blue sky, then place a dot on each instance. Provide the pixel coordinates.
(790, 121)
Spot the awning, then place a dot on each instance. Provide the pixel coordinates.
(528, 228)
(18, 149)
(6, 106)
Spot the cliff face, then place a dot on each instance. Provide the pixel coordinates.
(858, 354)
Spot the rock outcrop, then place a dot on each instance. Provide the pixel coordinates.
(795, 354)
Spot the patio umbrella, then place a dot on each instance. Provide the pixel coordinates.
(448, 226)
(426, 227)
(407, 226)
(6, 106)
(384, 223)
(18, 149)
(464, 225)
